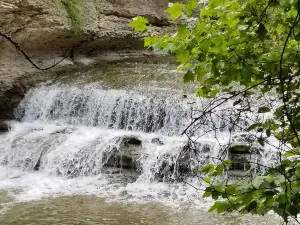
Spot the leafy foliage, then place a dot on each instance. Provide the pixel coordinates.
(139, 24)
(277, 190)
(242, 49)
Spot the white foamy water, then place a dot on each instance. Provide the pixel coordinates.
(70, 141)
(71, 161)
(91, 105)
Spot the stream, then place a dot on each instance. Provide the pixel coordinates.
(103, 146)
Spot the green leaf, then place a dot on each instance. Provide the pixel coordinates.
(260, 140)
(281, 198)
(268, 132)
(227, 163)
(248, 198)
(206, 179)
(218, 170)
(257, 181)
(219, 206)
(278, 112)
(215, 194)
(269, 193)
(201, 72)
(201, 27)
(183, 31)
(233, 22)
(264, 109)
(170, 47)
(231, 190)
(290, 153)
(189, 77)
(175, 10)
(183, 56)
(149, 41)
(237, 102)
(261, 31)
(213, 93)
(208, 168)
(251, 206)
(267, 185)
(206, 194)
(253, 126)
(192, 4)
(156, 46)
(139, 24)
(297, 173)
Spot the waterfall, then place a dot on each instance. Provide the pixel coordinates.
(91, 105)
(125, 137)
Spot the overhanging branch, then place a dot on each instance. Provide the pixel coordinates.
(18, 47)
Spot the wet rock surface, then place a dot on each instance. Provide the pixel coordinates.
(121, 163)
(244, 153)
(157, 141)
(126, 154)
(4, 127)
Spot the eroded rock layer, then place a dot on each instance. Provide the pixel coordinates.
(44, 31)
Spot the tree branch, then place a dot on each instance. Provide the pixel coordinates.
(18, 47)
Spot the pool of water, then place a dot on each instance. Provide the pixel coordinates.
(91, 210)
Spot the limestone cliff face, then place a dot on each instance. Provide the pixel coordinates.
(45, 33)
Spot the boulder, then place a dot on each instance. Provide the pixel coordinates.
(126, 154)
(206, 148)
(4, 127)
(244, 143)
(244, 152)
(157, 141)
(239, 149)
(131, 141)
(176, 167)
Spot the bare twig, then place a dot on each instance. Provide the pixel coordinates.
(18, 47)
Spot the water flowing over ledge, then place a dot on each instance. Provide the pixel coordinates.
(122, 143)
(91, 105)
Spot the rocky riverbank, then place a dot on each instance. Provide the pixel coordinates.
(45, 32)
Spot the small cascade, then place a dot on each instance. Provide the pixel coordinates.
(88, 131)
(70, 151)
(90, 105)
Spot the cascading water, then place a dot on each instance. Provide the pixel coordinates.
(88, 139)
(90, 105)
(70, 130)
